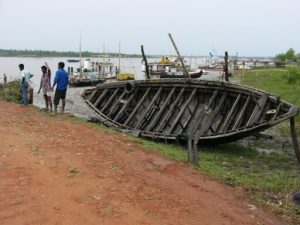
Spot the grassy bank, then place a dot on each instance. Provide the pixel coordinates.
(11, 92)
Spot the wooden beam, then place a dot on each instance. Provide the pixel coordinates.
(126, 104)
(112, 109)
(162, 108)
(137, 106)
(294, 137)
(259, 108)
(211, 118)
(170, 111)
(182, 111)
(109, 100)
(138, 123)
(241, 114)
(100, 97)
(229, 115)
(277, 111)
(92, 95)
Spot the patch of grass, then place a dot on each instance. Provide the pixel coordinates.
(72, 172)
(11, 92)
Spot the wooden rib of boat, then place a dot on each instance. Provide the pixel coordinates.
(175, 109)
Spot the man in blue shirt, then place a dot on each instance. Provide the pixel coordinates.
(62, 81)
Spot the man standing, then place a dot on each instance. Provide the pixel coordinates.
(24, 84)
(4, 79)
(62, 81)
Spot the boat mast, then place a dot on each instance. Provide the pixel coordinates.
(119, 57)
(80, 56)
(178, 54)
(146, 63)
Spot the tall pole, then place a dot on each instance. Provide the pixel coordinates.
(119, 57)
(146, 63)
(226, 67)
(178, 54)
(80, 56)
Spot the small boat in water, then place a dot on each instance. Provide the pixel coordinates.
(73, 60)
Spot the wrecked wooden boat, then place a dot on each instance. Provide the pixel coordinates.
(175, 109)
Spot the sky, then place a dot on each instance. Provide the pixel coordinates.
(246, 27)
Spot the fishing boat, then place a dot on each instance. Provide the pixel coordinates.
(207, 111)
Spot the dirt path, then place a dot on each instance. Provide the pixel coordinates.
(53, 171)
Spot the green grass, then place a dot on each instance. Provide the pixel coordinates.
(11, 92)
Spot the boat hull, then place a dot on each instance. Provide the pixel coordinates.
(178, 109)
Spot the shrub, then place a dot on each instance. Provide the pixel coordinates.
(11, 92)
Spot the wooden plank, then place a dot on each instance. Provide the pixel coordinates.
(137, 106)
(100, 97)
(157, 116)
(241, 114)
(92, 95)
(182, 111)
(112, 109)
(211, 118)
(225, 124)
(170, 111)
(259, 108)
(126, 104)
(109, 100)
(277, 111)
(138, 123)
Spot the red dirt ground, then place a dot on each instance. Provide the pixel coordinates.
(55, 171)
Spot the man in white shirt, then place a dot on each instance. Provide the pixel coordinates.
(24, 84)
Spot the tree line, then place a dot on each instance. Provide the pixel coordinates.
(289, 56)
(44, 53)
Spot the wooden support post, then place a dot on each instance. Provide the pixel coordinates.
(146, 63)
(192, 152)
(226, 67)
(294, 137)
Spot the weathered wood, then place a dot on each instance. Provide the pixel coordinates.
(137, 106)
(109, 100)
(92, 95)
(100, 97)
(211, 118)
(182, 111)
(226, 67)
(162, 108)
(112, 109)
(259, 108)
(179, 56)
(192, 152)
(241, 114)
(229, 115)
(126, 104)
(142, 116)
(294, 138)
(146, 63)
(277, 111)
(170, 111)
